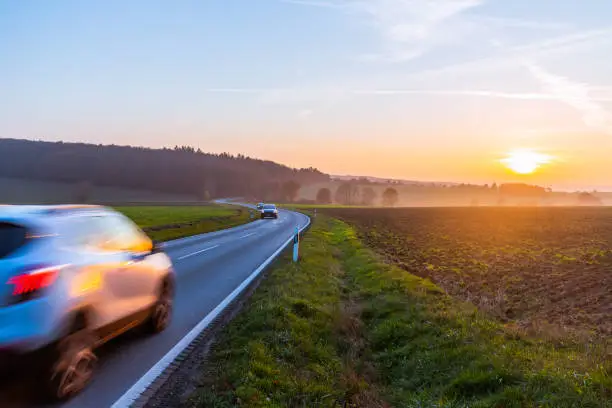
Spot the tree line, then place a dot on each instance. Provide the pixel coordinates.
(349, 193)
(356, 192)
(180, 170)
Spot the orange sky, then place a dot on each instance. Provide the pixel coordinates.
(573, 164)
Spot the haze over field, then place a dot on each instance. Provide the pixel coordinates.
(472, 91)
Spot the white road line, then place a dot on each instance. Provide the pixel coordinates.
(131, 395)
(248, 235)
(198, 252)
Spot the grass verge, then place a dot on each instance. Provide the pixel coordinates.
(164, 223)
(342, 328)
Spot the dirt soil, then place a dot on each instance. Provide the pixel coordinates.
(541, 269)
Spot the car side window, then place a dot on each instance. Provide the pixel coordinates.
(122, 235)
(86, 232)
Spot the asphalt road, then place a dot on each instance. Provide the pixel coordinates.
(209, 267)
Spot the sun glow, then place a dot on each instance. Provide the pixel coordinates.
(525, 161)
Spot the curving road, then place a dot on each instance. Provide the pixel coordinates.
(209, 268)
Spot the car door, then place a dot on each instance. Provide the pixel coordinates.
(133, 285)
(99, 267)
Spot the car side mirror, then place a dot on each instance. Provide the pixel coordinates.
(155, 247)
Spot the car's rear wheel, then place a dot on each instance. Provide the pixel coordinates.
(161, 313)
(72, 365)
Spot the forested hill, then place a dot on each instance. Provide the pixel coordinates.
(181, 170)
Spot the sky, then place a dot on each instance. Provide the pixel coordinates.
(415, 89)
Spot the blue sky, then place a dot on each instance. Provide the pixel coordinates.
(430, 89)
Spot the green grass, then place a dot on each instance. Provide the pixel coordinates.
(147, 216)
(343, 326)
(170, 222)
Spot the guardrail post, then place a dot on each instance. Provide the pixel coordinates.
(296, 245)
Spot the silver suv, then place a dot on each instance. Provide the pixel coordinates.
(72, 278)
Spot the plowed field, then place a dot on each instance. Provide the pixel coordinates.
(543, 269)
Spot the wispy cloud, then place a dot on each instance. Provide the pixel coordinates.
(574, 94)
(571, 40)
(315, 3)
(407, 27)
(598, 92)
(237, 90)
(295, 95)
(461, 92)
(305, 114)
(322, 97)
(507, 22)
(410, 27)
(510, 56)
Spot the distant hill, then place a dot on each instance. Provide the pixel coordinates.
(181, 171)
(22, 191)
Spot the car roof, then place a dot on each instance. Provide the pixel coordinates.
(40, 211)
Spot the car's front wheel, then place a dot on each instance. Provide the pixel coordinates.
(161, 313)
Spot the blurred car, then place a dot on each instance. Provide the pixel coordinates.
(260, 206)
(72, 278)
(269, 211)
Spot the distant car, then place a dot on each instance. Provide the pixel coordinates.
(72, 278)
(260, 206)
(269, 211)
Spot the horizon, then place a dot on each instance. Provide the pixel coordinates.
(439, 91)
(566, 189)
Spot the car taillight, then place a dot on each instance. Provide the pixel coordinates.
(34, 279)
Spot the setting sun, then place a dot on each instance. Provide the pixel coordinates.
(525, 161)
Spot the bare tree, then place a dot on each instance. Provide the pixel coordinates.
(347, 193)
(324, 196)
(368, 196)
(290, 190)
(390, 197)
(589, 199)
